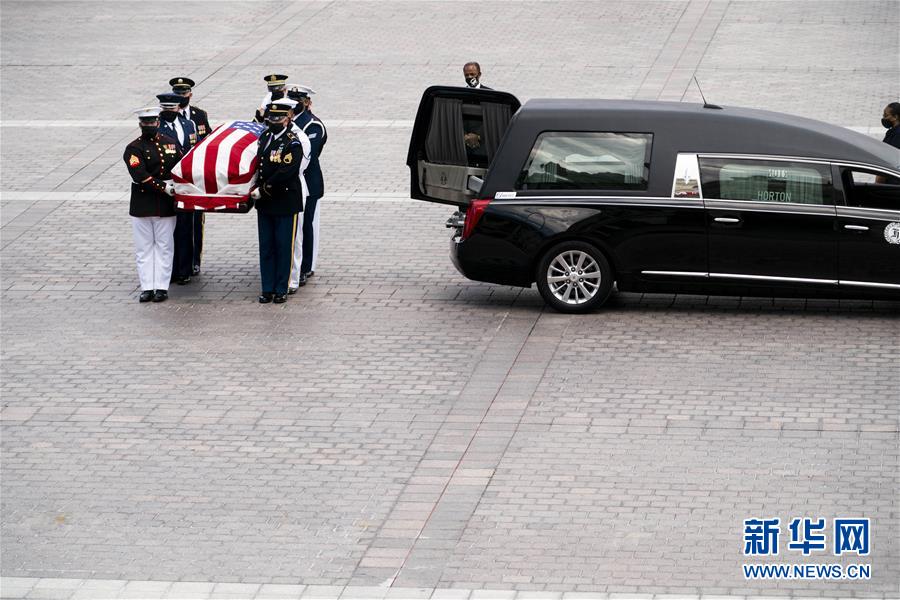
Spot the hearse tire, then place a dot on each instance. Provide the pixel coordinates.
(574, 277)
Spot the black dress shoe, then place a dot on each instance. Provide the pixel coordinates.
(310, 274)
(292, 291)
(196, 270)
(183, 280)
(280, 298)
(301, 281)
(146, 296)
(160, 296)
(266, 297)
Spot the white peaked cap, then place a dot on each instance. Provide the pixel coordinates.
(286, 102)
(303, 89)
(146, 113)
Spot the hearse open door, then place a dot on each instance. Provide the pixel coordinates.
(454, 139)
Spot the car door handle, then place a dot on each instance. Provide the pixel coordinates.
(726, 220)
(856, 227)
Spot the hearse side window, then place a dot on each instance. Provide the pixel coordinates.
(587, 161)
(870, 189)
(765, 180)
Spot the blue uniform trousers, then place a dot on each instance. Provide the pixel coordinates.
(199, 218)
(184, 245)
(276, 250)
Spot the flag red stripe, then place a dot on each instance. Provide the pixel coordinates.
(234, 158)
(246, 177)
(187, 168)
(211, 186)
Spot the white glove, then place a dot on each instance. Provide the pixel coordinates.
(255, 194)
(170, 188)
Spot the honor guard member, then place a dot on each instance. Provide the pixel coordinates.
(306, 247)
(184, 87)
(276, 84)
(173, 124)
(150, 159)
(282, 155)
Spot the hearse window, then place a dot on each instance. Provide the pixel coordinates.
(587, 161)
(870, 189)
(463, 134)
(765, 181)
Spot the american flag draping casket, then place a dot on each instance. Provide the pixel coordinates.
(219, 172)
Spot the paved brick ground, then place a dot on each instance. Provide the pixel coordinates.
(396, 430)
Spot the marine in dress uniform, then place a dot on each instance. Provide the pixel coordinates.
(173, 124)
(279, 199)
(306, 247)
(276, 84)
(150, 159)
(184, 87)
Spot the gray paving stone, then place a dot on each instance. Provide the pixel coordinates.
(395, 423)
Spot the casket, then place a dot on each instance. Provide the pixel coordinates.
(217, 174)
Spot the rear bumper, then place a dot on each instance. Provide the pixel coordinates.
(479, 258)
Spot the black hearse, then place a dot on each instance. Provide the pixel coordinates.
(657, 197)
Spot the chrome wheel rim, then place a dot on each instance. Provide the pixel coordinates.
(573, 277)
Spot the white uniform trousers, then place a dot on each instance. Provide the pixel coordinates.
(298, 243)
(154, 249)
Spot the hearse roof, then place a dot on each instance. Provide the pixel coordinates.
(694, 128)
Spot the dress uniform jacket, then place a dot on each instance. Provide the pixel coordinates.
(150, 163)
(200, 120)
(314, 129)
(281, 160)
(190, 132)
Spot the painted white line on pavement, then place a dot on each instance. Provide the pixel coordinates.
(132, 124)
(875, 131)
(98, 196)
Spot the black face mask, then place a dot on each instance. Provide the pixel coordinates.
(148, 131)
(277, 95)
(168, 115)
(184, 102)
(887, 124)
(276, 127)
(472, 81)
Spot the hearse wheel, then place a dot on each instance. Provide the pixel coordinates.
(574, 277)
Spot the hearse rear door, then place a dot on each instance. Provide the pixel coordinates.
(455, 138)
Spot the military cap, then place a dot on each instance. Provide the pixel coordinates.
(299, 92)
(168, 101)
(181, 84)
(275, 80)
(280, 107)
(150, 113)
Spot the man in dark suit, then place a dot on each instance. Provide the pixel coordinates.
(172, 124)
(184, 87)
(890, 118)
(150, 159)
(279, 198)
(472, 73)
(306, 247)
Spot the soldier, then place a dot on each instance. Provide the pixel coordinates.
(276, 84)
(282, 153)
(184, 87)
(150, 159)
(306, 248)
(172, 124)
